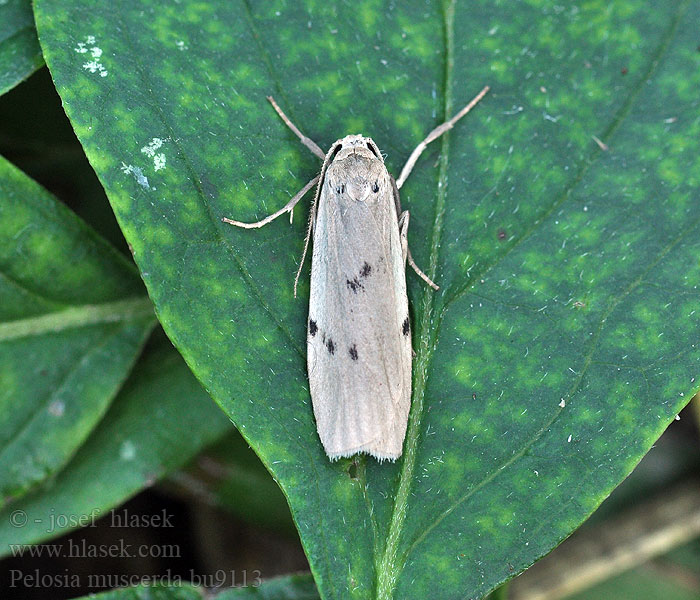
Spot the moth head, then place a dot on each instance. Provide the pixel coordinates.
(356, 169)
(355, 144)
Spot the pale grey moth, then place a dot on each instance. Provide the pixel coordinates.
(359, 336)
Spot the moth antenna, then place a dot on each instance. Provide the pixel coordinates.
(312, 218)
(434, 134)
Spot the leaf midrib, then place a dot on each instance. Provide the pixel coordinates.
(16, 33)
(587, 162)
(56, 392)
(588, 361)
(388, 568)
(77, 316)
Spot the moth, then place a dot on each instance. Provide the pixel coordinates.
(359, 351)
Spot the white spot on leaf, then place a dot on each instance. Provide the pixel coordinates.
(95, 65)
(151, 150)
(152, 146)
(127, 451)
(57, 408)
(140, 178)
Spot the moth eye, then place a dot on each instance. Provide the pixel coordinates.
(375, 187)
(371, 149)
(340, 189)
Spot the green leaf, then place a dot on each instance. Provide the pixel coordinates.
(291, 587)
(73, 318)
(142, 437)
(20, 54)
(561, 342)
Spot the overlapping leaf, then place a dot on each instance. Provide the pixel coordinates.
(73, 318)
(159, 420)
(20, 54)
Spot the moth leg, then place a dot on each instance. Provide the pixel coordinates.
(434, 134)
(403, 231)
(308, 142)
(420, 273)
(289, 207)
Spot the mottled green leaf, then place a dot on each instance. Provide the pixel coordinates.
(292, 587)
(20, 54)
(73, 318)
(160, 419)
(561, 342)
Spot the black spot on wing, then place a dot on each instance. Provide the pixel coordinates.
(354, 285)
(313, 328)
(330, 346)
(406, 327)
(353, 352)
(340, 188)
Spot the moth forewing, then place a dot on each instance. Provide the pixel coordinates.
(359, 348)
